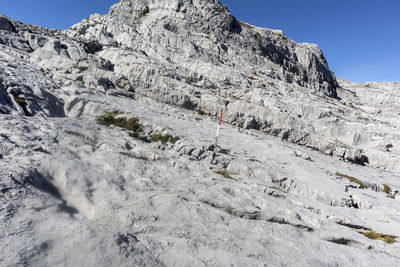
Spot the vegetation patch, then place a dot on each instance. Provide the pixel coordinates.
(82, 68)
(164, 138)
(130, 124)
(20, 101)
(198, 119)
(367, 232)
(145, 11)
(201, 112)
(388, 190)
(351, 179)
(225, 174)
(390, 239)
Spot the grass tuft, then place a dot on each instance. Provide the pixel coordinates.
(386, 189)
(201, 112)
(390, 239)
(20, 101)
(82, 68)
(351, 179)
(225, 174)
(164, 138)
(131, 124)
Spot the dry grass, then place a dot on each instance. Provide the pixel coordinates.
(390, 239)
(82, 68)
(386, 189)
(351, 179)
(225, 174)
(20, 101)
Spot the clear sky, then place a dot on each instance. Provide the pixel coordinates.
(359, 38)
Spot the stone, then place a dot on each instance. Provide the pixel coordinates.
(197, 152)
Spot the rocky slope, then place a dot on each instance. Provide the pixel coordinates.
(75, 192)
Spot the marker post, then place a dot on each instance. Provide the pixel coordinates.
(219, 126)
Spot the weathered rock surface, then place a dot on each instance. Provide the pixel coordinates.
(74, 192)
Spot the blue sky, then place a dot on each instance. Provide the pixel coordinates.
(359, 38)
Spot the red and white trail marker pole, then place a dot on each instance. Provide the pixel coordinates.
(219, 126)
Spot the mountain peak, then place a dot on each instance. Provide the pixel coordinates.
(207, 12)
(193, 32)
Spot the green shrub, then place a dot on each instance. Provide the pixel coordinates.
(131, 124)
(201, 112)
(164, 138)
(145, 11)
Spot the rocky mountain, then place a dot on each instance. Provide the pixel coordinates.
(106, 154)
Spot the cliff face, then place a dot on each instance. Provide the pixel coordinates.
(192, 33)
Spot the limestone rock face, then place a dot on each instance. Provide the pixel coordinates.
(195, 36)
(304, 166)
(193, 54)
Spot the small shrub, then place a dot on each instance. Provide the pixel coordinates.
(390, 239)
(198, 119)
(131, 124)
(164, 138)
(145, 11)
(351, 179)
(201, 112)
